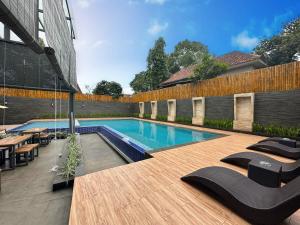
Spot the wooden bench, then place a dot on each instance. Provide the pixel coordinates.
(45, 138)
(27, 151)
(42, 138)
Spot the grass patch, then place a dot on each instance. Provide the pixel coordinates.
(276, 130)
(222, 124)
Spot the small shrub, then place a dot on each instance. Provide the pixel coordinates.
(276, 130)
(73, 159)
(161, 118)
(222, 124)
(183, 120)
(147, 116)
(135, 115)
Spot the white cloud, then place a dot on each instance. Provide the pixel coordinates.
(127, 90)
(156, 2)
(244, 41)
(297, 56)
(79, 44)
(133, 2)
(98, 43)
(82, 45)
(84, 3)
(156, 28)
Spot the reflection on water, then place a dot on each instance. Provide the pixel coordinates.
(153, 133)
(141, 128)
(171, 135)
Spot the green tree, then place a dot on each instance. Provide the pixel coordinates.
(208, 68)
(157, 64)
(140, 82)
(112, 88)
(283, 47)
(186, 53)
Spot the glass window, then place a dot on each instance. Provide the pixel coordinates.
(43, 40)
(41, 5)
(14, 37)
(1, 30)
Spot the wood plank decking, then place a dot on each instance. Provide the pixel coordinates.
(151, 192)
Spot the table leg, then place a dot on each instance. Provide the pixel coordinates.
(13, 157)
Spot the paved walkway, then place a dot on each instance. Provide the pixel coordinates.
(98, 155)
(27, 196)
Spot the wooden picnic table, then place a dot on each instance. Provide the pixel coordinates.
(35, 131)
(11, 143)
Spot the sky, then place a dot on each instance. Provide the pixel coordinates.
(113, 37)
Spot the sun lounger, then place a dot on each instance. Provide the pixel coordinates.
(277, 149)
(254, 202)
(289, 170)
(284, 141)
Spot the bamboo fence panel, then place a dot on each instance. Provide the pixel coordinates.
(26, 93)
(277, 78)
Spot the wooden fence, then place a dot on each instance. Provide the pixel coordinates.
(26, 93)
(277, 78)
(101, 98)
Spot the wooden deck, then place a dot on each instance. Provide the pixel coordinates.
(151, 192)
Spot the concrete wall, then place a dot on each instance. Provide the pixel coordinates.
(216, 107)
(88, 107)
(219, 107)
(21, 110)
(184, 107)
(162, 108)
(280, 108)
(147, 109)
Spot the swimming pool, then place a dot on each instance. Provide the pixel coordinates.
(151, 136)
(44, 124)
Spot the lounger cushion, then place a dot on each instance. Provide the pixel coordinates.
(277, 149)
(279, 139)
(254, 202)
(242, 159)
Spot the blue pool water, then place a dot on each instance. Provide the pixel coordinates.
(44, 124)
(154, 136)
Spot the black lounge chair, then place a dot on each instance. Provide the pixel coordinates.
(256, 203)
(284, 141)
(276, 149)
(289, 170)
